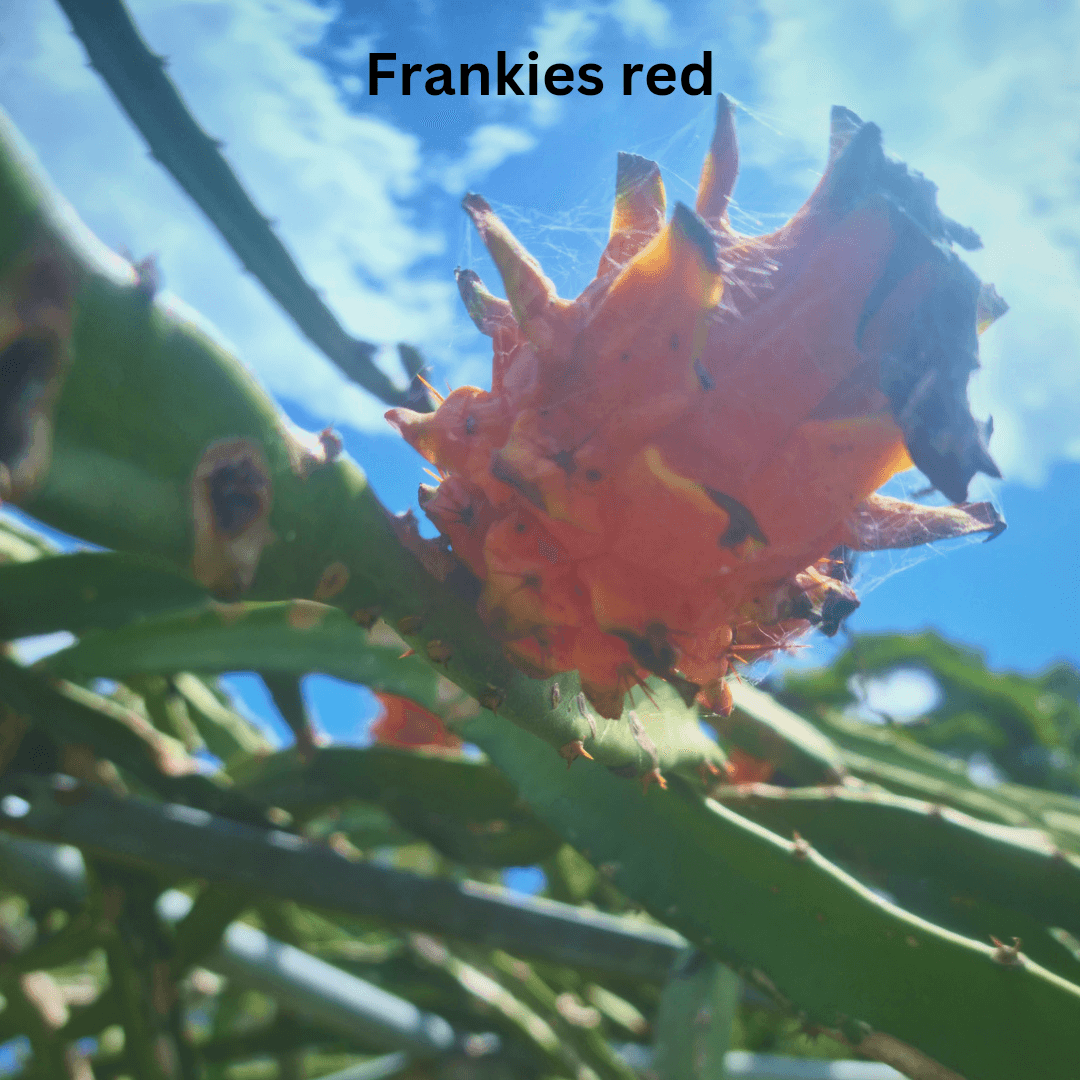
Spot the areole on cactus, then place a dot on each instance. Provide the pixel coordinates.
(665, 470)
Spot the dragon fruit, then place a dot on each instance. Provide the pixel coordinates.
(668, 471)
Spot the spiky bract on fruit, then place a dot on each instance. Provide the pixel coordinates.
(660, 478)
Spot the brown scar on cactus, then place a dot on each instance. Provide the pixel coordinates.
(306, 614)
(231, 494)
(438, 652)
(491, 697)
(366, 617)
(334, 578)
(37, 305)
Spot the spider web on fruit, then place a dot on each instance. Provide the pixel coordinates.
(667, 471)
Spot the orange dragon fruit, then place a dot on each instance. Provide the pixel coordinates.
(408, 726)
(666, 470)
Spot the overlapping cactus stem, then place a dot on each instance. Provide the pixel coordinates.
(664, 468)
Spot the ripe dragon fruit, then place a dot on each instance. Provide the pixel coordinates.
(666, 472)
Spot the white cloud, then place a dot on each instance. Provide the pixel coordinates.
(984, 100)
(563, 37)
(643, 18)
(485, 149)
(333, 181)
(903, 694)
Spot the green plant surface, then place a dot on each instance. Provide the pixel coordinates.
(697, 1011)
(89, 590)
(980, 879)
(465, 809)
(761, 727)
(883, 756)
(191, 842)
(749, 899)
(1029, 726)
(792, 923)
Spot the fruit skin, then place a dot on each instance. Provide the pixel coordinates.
(666, 470)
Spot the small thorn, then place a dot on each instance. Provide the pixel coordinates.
(572, 750)
(407, 653)
(801, 849)
(653, 776)
(434, 393)
(1009, 955)
(709, 774)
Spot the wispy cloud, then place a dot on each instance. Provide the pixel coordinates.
(985, 101)
(648, 19)
(334, 181)
(562, 37)
(485, 149)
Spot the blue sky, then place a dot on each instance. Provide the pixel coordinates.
(984, 98)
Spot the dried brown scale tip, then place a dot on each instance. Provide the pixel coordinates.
(556, 695)
(485, 309)
(572, 750)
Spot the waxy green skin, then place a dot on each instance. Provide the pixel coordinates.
(150, 390)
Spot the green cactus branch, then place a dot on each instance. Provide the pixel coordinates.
(200, 469)
(766, 905)
(129, 486)
(980, 879)
(72, 714)
(761, 727)
(137, 79)
(878, 755)
(191, 842)
(205, 932)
